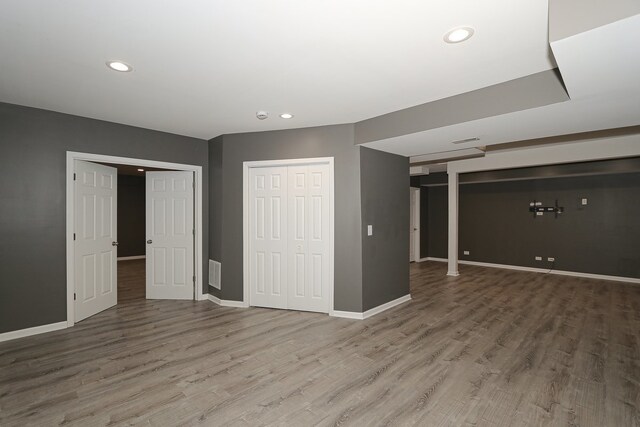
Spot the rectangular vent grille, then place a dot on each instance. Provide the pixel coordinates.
(214, 273)
(462, 141)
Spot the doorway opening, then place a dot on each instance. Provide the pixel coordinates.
(288, 235)
(171, 266)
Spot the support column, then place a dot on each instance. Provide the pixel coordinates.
(453, 224)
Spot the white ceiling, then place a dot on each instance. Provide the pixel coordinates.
(204, 67)
(601, 70)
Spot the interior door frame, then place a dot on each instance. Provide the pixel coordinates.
(245, 217)
(415, 192)
(72, 156)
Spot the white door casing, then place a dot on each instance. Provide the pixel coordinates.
(95, 232)
(268, 231)
(170, 235)
(289, 244)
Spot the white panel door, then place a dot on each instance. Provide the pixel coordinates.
(412, 225)
(309, 234)
(95, 250)
(268, 237)
(170, 235)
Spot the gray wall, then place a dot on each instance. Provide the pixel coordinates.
(33, 145)
(434, 222)
(215, 204)
(327, 141)
(385, 205)
(131, 215)
(496, 227)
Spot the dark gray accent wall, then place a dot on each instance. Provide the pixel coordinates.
(385, 206)
(131, 215)
(215, 204)
(495, 225)
(327, 141)
(33, 145)
(434, 237)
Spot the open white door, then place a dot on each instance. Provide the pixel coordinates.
(412, 225)
(95, 234)
(170, 235)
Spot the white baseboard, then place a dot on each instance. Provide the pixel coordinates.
(127, 258)
(226, 302)
(545, 270)
(435, 259)
(203, 297)
(347, 314)
(372, 311)
(21, 333)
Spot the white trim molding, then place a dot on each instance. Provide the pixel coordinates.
(226, 302)
(129, 258)
(633, 280)
(373, 311)
(245, 219)
(197, 200)
(21, 333)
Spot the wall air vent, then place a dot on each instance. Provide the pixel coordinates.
(215, 273)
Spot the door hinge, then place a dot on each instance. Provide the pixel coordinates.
(74, 176)
(193, 231)
(74, 236)
(194, 279)
(74, 296)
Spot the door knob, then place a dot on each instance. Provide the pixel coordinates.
(114, 243)
(149, 241)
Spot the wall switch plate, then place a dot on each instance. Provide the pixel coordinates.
(538, 258)
(584, 202)
(466, 252)
(369, 230)
(551, 259)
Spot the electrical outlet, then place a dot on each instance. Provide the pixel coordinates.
(538, 258)
(369, 230)
(551, 259)
(585, 202)
(466, 252)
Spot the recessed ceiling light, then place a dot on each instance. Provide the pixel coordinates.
(286, 115)
(458, 34)
(119, 66)
(140, 170)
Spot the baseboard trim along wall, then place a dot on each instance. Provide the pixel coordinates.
(543, 270)
(36, 330)
(227, 302)
(127, 258)
(371, 312)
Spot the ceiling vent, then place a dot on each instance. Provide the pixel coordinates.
(462, 141)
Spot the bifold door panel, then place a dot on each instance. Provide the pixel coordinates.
(95, 238)
(289, 237)
(170, 235)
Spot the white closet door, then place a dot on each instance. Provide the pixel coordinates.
(268, 237)
(309, 234)
(170, 234)
(95, 250)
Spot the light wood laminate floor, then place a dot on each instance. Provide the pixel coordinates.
(490, 347)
